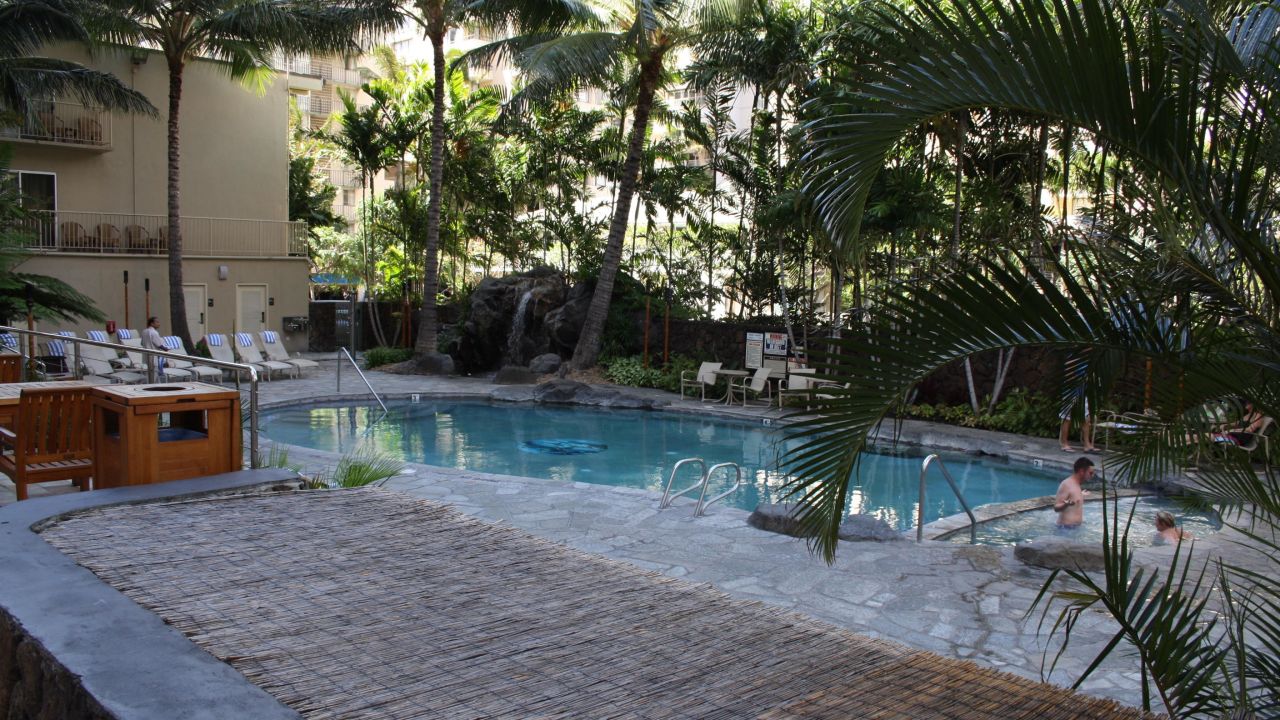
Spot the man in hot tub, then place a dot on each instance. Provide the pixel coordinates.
(1069, 502)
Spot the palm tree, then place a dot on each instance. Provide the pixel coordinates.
(645, 34)
(244, 35)
(26, 27)
(1186, 97)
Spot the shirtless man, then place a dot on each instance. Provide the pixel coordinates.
(1069, 502)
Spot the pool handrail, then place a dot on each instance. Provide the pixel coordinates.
(668, 498)
(924, 469)
(362, 377)
(737, 483)
(236, 368)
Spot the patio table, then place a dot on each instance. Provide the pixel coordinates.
(730, 376)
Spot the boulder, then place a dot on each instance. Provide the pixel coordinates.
(564, 324)
(434, 364)
(571, 392)
(514, 375)
(505, 320)
(545, 364)
(776, 517)
(1059, 553)
(868, 527)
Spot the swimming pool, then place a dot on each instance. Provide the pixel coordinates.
(633, 448)
(1012, 529)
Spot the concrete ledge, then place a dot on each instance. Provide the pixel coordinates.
(128, 664)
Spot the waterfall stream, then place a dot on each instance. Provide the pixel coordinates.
(517, 329)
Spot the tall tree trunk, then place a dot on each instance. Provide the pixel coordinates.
(427, 332)
(588, 349)
(177, 301)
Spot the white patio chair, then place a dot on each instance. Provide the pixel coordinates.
(248, 353)
(756, 384)
(202, 372)
(275, 351)
(164, 372)
(704, 378)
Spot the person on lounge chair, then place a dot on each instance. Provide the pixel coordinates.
(1251, 422)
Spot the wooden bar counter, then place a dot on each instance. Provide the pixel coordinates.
(133, 447)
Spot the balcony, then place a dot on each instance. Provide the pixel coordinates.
(112, 233)
(64, 124)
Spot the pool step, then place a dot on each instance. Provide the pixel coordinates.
(703, 477)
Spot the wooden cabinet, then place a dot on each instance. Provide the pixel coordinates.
(156, 433)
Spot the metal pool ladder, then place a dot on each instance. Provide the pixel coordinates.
(703, 503)
(973, 521)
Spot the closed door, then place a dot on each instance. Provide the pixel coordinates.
(197, 299)
(251, 308)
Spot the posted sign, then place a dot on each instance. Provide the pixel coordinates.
(755, 350)
(775, 344)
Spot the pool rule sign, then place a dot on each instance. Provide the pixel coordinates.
(759, 345)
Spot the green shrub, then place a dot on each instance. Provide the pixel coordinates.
(630, 371)
(373, 357)
(1020, 412)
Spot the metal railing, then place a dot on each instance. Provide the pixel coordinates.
(704, 479)
(25, 349)
(63, 123)
(104, 233)
(362, 377)
(973, 521)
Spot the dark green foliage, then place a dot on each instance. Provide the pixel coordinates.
(373, 357)
(630, 371)
(1020, 412)
(310, 198)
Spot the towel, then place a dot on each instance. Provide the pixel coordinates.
(172, 343)
(66, 333)
(57, 348)
(245, 339)
(269, 337)
(9, 340)
(98, 335)
(124, 334)
(213, 339)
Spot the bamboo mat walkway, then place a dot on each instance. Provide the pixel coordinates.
(373, 604)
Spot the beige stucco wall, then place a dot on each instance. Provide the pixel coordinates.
(101, 277)
(235, 155)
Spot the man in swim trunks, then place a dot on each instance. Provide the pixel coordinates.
(1069, 502)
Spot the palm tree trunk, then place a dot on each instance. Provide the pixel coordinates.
(177, 301)
(427, 334)
(588, 349)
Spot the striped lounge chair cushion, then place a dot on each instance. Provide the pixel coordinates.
(98, 335)
(124, 334)
(244, 339)
(270, 336)
(172, 342)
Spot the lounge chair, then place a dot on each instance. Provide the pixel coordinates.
(202, 372)
(275, 351)
(1260, 439)
(165, 372)
(52, 441)
(249, 353)
(220, 349)
(757, 385)
(701, 380)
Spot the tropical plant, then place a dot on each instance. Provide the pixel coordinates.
(244, 36)
(645, 35)
(1184, 98)
(26, 27)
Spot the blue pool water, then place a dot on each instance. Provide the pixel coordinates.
(633, 448)
(1011, 529)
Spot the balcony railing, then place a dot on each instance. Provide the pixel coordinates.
(63, 123)
(87, 232)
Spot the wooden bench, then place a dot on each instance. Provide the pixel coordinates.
(52, 439)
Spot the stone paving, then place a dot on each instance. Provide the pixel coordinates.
(957, 600)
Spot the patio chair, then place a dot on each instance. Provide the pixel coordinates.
(1260, 439)
(701, 380)
(60, 357)
(52, 440)
(137, 360)
(202, 372)
(101, 365)
(274, 348)
(797, 384)
(757, 385)
(73, 236)
(136, 239)
(249, 353)
(220, 349)
(108, 237)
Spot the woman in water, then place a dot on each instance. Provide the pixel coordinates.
(1167, 531)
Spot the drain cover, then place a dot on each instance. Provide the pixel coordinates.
(562, 447)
